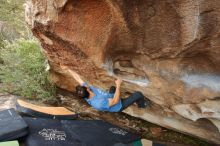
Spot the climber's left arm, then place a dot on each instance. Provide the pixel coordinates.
(73, 74)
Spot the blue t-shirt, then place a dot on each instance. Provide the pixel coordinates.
(100, 100)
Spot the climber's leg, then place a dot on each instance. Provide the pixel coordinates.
(137, 97)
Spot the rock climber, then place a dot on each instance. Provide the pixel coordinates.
(106, 101)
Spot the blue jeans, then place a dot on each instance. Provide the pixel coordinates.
(136, 97)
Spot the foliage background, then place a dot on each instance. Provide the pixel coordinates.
(22, 64)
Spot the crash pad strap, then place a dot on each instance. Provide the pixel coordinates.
(9, 143)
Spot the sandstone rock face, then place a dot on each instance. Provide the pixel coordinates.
(167, 49)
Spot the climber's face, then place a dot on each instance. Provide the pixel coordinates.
(82, 91)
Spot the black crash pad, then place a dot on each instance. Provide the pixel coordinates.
(48, 132)
(28, 109)
(12, 126)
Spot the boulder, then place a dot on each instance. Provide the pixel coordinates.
(167, 49)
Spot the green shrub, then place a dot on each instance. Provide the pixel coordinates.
(12, 14)
(23, 71)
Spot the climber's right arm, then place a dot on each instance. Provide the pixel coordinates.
(76, 77)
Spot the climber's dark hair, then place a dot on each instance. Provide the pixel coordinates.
(82, 92)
